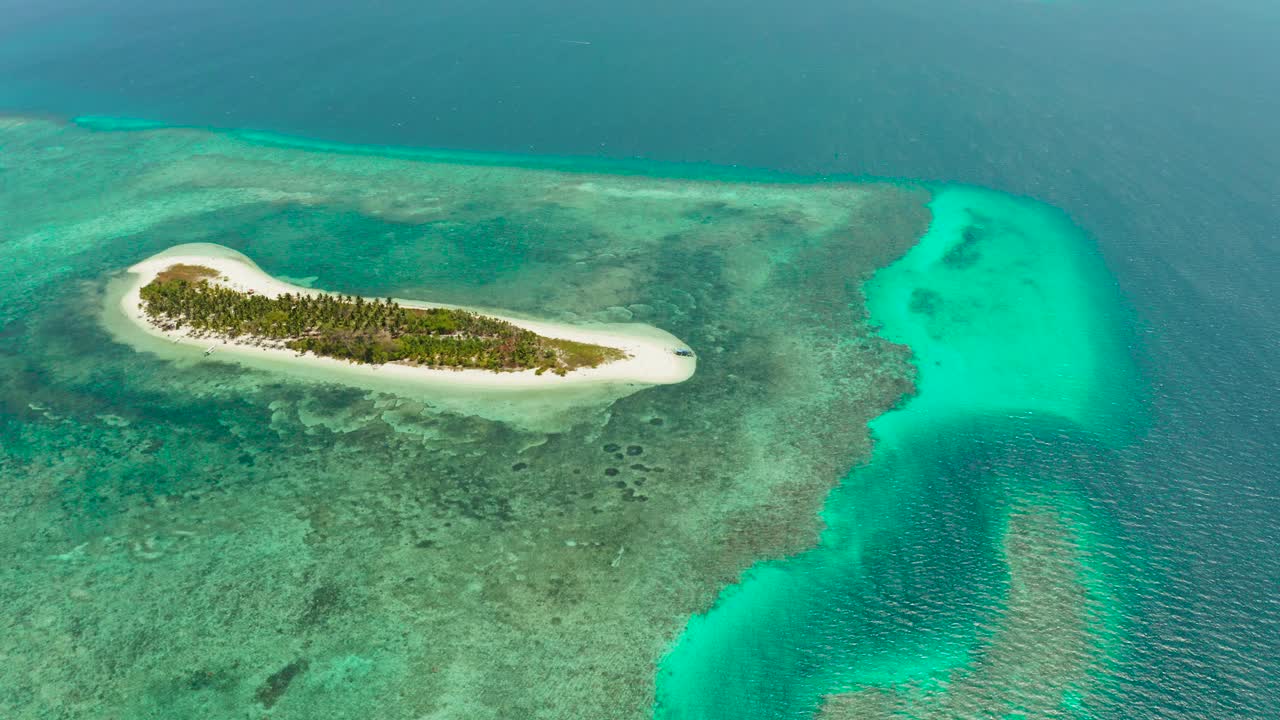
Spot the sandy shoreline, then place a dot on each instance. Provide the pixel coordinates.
(650, 358)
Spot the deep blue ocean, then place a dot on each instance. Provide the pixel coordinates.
(1152, 125)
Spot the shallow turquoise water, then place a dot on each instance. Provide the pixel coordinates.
(928, 588)
(1025, 384)
(193, 538)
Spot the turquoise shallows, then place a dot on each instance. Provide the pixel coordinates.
(1025, 381)
(1009, 310)
(623, 167)
(190, 534)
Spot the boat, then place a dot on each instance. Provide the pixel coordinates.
(684, 352)
(209, 351)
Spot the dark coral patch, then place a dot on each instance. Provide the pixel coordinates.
(276, 685)
(965, 254)
(925, 301)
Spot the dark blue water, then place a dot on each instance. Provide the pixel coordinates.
(1151, 124)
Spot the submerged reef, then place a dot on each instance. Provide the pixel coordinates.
(195, 539)
(965, 571)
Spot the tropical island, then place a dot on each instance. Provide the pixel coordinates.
(215, 298)
(349, 328)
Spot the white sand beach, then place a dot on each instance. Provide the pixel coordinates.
(650, 351)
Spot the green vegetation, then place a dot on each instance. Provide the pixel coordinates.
(190, 273)
(359, 330)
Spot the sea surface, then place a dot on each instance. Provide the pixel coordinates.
(1067, 505)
